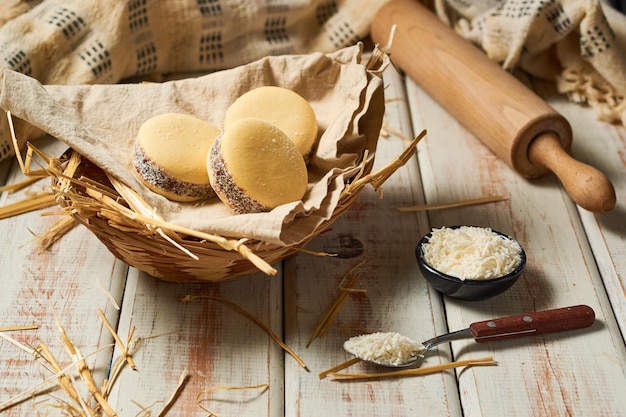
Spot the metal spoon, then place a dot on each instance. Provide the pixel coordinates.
(520, 325)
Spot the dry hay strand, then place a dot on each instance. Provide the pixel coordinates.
(350, 280)
(339, 367)
(17, 186)
(75, 378)
(18, 328)
(454, 204)
(61, 377)
(60, 228)
(184, 377)
(248, 315)
(486, 361)
(37, 202)
(200, 399)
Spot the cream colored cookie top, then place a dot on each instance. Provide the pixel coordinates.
(178, 144)
(282, 107)
(263, 162)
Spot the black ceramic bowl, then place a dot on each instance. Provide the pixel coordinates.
(468, 289)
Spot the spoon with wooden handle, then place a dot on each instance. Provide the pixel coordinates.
(515, 123)
(520, 325)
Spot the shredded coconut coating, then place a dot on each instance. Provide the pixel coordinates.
(390, 348)
(160, 179)
(470, 252)
(226, 189)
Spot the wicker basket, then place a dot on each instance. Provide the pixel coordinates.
(164, 251)
(127, 223)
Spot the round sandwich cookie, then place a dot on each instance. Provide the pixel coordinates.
(170, 156)
(283, 108)
(254, 167)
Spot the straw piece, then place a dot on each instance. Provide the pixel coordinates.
(108, 295)
(335, 307)
(57, 231)
(227, 388)
(19, 345)
(30, 204)
(62, 378)
(16, 146)
(118, 365)
(184, 377)
(84, 372)
(245, 313)
(480, 200)
(155, 222)
(25, 163)
(339, 367)
(65, 382)
(119, 342)
(60, 375)
(415, 371)
(16, 186)
(18, 328)
(376, 179)
(139, 205)
(314, 253)
(390, 130)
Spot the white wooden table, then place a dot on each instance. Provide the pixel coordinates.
(574, 257)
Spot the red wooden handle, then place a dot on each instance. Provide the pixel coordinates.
(548, 321)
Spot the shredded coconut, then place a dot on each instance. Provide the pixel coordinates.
(470, 252)
(391, 349)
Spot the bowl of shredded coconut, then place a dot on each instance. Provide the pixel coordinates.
(470, 262)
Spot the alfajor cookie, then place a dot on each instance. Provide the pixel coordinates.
(170, 155)
(283, 108)
(254, 167)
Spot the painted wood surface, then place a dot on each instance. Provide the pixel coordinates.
(574, 257)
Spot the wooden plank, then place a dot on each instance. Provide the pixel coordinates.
(573, 373)
(374, 232)
(602, 145)
(215, 344)
(65, 284)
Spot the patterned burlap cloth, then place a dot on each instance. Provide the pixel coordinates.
(579, 44)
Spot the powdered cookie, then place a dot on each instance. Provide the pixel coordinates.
(254, 167)
(170, 156)
(283, 108)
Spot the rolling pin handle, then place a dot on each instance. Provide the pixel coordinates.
(587, 186)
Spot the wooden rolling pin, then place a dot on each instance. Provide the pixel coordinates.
(496, 107)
